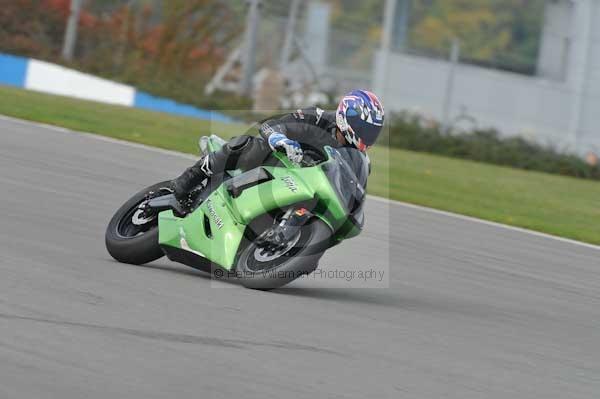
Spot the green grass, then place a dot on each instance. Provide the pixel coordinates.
(557, 205)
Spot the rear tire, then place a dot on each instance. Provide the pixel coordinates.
(302, 259)
(139, 248)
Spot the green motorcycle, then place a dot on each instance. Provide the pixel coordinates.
(267, 226)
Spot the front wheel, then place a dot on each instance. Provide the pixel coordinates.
(261, 271)
(132, 233)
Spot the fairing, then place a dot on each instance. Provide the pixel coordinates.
(216, 228)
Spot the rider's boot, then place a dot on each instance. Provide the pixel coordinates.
(184, 185)
(251, 152)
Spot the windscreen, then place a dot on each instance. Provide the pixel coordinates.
(348, 175)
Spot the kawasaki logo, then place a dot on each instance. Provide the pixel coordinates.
(290, 183)
(213, 214)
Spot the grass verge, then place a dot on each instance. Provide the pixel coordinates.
(552, 204)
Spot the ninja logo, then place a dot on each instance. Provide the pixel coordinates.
(290, 183)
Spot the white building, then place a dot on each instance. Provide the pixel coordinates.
(561, 105)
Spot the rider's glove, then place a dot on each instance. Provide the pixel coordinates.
(292, 148)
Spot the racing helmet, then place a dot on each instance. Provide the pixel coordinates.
(360, 118)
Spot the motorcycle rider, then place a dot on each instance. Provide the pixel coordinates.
(357, 123)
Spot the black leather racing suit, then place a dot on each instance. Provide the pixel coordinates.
(311, 127)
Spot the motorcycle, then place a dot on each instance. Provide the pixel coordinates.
(266, 227)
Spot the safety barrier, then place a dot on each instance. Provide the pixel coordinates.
(51, 78)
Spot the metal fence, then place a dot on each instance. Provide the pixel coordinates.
(340, 54)
(327, 46)
(327, 53)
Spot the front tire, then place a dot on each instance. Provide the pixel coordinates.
(303, 258)
(131, 243)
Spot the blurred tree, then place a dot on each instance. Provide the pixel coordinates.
(145, 38)
(356, 30)
(504, 32)
(31, 27)
(169, 48)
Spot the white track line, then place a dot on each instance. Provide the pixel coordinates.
(96, 136)
(380, 199)
(485, 222)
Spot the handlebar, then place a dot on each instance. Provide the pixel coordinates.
(311, 157)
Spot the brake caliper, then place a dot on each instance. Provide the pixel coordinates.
(281, 234)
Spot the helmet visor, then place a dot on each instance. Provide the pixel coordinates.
(366, 131)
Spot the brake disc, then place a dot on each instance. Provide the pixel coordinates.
(262, 255)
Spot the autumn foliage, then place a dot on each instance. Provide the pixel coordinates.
(169, 48)
(499, 33)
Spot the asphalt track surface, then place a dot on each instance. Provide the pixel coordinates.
(471, 311)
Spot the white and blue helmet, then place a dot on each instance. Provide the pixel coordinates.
(360, 118)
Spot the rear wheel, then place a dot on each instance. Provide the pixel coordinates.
(132, 233)
(261, 270)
